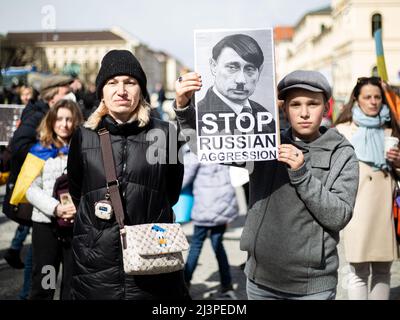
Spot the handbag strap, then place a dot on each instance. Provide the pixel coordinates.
(111, 177)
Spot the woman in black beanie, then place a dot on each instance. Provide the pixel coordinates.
(149, 183)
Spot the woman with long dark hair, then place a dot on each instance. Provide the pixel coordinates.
(369, 238)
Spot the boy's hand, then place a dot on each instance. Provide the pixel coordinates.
(290, 155)
(185, 87)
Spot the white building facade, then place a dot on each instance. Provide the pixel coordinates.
(338, 41)
(57, 50)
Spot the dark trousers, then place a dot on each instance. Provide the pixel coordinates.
(216, 236)
(49, 250)
(20, 235)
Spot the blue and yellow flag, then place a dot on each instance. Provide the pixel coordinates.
(381, 65)
(393, 100)
(31, 168)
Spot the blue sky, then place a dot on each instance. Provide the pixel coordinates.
(162, 24)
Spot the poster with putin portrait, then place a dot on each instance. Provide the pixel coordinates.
(236, 112)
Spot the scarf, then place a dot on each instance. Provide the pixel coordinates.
(368, 141)
(46, 152)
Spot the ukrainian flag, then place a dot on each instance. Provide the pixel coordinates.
(380, 55)
(392, 98)
(32, 167)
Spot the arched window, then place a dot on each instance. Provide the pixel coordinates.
(376, 22)
(374, 72)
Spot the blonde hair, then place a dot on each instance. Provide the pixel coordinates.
(141, 113)
(47, 136)
(26, 88)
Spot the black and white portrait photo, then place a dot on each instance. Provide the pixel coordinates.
(236, 109)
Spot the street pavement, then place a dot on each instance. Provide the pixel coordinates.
(205, 283)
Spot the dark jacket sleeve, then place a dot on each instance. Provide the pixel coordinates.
(174, 182)
(175, 167)
(75, 167)
(186, 118)
(23, 139)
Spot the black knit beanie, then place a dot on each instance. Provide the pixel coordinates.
(117, 63)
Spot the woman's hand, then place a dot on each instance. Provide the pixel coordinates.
(66, 211)
(185, 87)
(290, 155)
(393, 156)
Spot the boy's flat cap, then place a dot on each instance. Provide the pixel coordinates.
(304, 79)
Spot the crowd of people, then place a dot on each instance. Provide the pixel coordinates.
(326, 182)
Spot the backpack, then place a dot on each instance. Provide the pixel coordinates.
(21, 213)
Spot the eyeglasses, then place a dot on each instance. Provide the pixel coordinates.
(371, 80)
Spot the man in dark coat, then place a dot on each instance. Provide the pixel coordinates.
(236, 64)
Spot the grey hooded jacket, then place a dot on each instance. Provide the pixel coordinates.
(292, 227)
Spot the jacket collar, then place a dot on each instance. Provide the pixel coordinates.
(40, 105)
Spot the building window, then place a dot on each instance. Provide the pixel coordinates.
(376, 22)
(374, 71)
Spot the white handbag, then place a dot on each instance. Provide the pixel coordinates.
(154, 248)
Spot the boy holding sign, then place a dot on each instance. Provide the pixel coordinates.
(299, 202)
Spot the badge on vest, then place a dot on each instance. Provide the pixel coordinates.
(103, 209)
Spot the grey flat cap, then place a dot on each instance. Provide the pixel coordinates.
(304, 79)
(55, 81)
